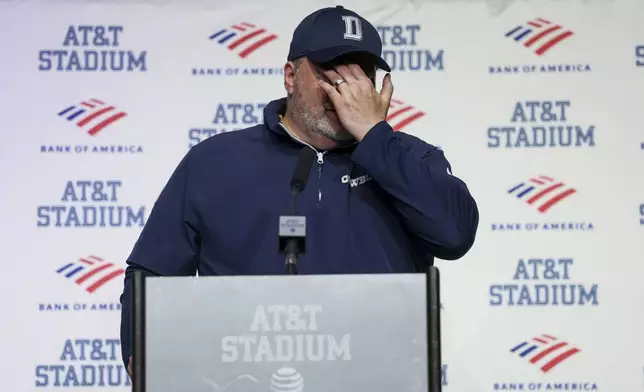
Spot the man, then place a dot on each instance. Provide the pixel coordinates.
(377, 201)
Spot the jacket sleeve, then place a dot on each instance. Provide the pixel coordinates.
(435, 205)
(167, 246)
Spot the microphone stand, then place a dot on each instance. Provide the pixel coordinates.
(291, 258)
(292, 228)
(292, 248)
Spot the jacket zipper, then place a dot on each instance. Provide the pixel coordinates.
(320, 161)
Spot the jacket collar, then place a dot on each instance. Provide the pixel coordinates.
(272, 112)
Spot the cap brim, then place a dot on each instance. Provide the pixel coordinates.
(329, 54)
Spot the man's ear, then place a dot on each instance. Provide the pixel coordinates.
(289, 77)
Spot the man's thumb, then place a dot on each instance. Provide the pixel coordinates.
(129, 366)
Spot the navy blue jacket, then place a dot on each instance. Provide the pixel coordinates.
(388, 204)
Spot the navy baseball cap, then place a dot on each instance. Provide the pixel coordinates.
(331, 32)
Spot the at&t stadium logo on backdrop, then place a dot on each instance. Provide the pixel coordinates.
(639, 55)
(540, 124)
(97, 124)
(540, 39)
(403, 50)
(550, 359)
(84, 362)
(95, 281)
(93, 48)
(543, 282)
(545, 199)
(228, 117)
(91, 204)
(239, 49)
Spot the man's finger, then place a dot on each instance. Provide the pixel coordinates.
(334, 95)
(129, 366)
(346, 73)
(333, 75)
(358, 73)
(387, 89)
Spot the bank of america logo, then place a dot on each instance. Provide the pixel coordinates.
(545, 351)
(400, 114)
(543, 192)
(90, 273)
(539, 34)
(243, 38)
(92, 115)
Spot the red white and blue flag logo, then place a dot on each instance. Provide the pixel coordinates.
(545, 351)
(243, 38)
(542, 192)
(90, 273)
(539, 34)
(92, 115)
(401, 114)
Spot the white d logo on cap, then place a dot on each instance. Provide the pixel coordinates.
(352, 28)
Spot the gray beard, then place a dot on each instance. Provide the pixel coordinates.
(314, 120)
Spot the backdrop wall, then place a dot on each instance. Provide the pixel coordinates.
(537, 105)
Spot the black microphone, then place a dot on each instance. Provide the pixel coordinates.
(292, 229)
